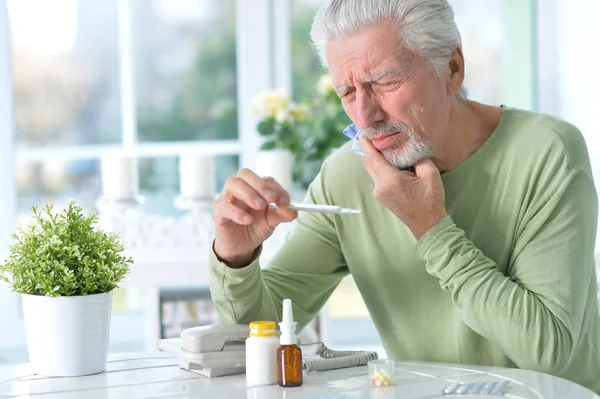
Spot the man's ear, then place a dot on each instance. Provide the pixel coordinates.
(456, 65)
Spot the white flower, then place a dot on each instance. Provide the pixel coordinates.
(282, 115)
(325, 85)
(300, 112)
(270, 103)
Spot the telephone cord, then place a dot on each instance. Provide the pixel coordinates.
(331, 359)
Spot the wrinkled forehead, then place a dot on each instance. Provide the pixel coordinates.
(367, 54)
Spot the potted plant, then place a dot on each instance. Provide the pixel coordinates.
(323, 132)
(282, 140)
(299, 136)
(65, 270)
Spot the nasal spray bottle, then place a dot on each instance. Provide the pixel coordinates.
(289, 354)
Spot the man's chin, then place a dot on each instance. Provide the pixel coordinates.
(398, 163)
(402, 166)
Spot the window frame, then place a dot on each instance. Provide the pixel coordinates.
(8, 199)
(256, 65)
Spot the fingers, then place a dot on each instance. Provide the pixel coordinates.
(282, 197)
(267, 187)
(426, 167)
(246, 192)
(282, 213)
(368, 148)
(374, 161)
(253, 191)
(237, 189)
(225, 210)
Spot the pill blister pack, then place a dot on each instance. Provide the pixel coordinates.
(477, 388)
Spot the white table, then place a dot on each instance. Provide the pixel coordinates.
(156, 375)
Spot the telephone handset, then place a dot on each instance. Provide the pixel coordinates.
(219, 349)
(214, 338)
(212, 350)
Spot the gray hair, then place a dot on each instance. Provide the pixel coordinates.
(426, 27)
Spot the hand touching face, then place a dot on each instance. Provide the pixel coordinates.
(417, 199)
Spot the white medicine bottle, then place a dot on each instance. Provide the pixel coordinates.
(261, 354)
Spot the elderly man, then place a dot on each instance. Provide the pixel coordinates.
(477, 236)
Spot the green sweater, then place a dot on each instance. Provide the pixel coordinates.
(507, 279)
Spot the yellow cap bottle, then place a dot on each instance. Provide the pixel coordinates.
(261, 353)
(262, 328)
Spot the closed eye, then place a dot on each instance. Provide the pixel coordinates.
(347, 94)
(387, 85)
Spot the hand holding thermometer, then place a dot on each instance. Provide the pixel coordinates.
(338, 210)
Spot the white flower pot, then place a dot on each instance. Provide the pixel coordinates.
(67, 336)
(277, 164)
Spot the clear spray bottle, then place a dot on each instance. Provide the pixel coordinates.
(289, 354)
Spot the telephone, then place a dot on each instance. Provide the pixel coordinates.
(212, 350)
(219, 349)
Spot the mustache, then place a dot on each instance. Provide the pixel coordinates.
(383, 128)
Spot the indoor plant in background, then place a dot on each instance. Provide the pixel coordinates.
(279, 128)
(307, 131)
(65, 268)
(323, 132)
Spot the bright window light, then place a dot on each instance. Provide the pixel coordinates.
(182, 10)
(43, 27)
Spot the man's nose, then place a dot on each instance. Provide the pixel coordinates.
(368, 110)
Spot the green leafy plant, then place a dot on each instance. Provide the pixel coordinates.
(63, 254)
(282, 118)
(310, 129)
(323, 132)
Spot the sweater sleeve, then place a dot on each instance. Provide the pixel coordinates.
(306, 269)
(534, 313)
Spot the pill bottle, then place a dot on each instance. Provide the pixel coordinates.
(261, 354)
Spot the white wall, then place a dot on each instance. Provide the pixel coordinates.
(254, 56)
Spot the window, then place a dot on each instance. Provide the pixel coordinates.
(167, 74)
(567, 79)
(177, 45)
(480, 26)
(306, 67)
(155, 77)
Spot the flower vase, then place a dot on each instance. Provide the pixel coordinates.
(278, 164)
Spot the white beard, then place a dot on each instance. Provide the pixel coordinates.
(414, 150)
